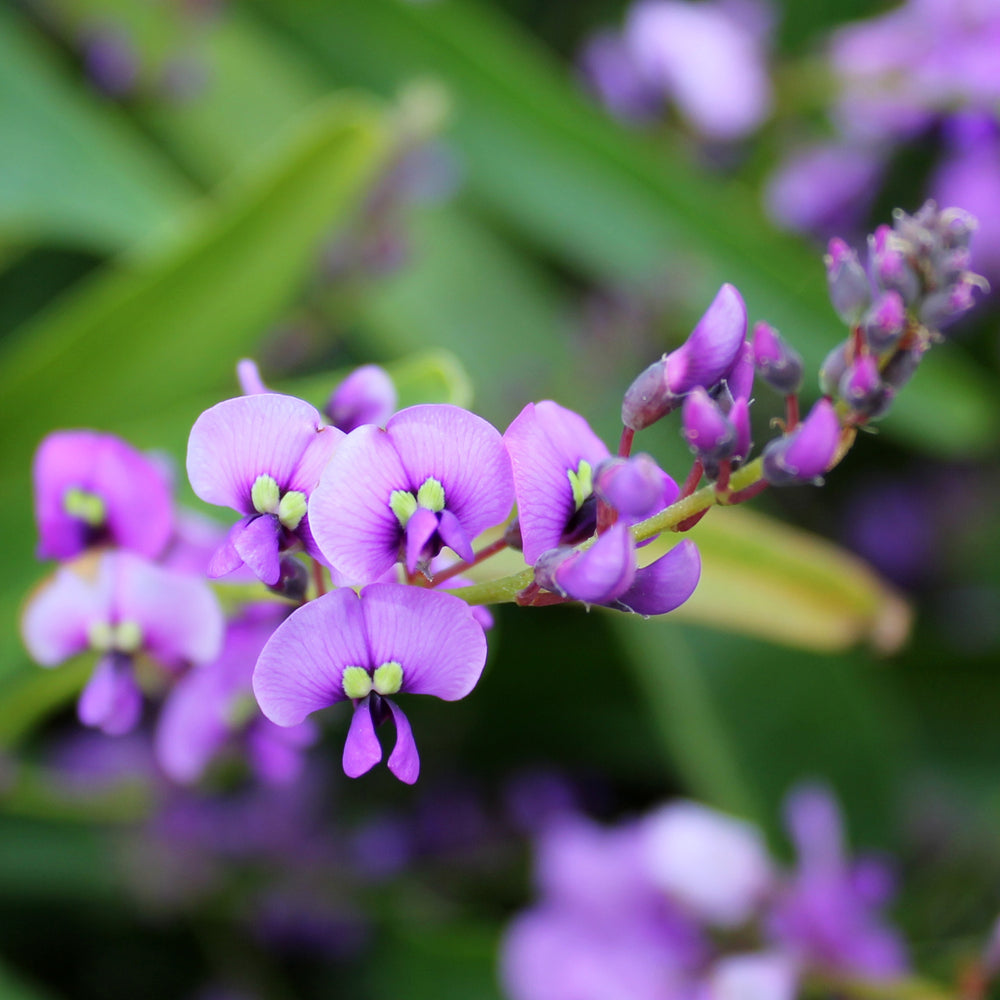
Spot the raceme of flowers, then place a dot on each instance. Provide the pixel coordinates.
(364, 524)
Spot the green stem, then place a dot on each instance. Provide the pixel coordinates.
(506, 589)
(867, 989)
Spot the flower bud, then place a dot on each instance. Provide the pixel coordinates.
(941, 309)
(648, 399)
(806, 453)
(860, 385)
(596, 575)
(883, 323)
(901, 367)
(739, 378)
(293, 581)
(832, 370)
(708, 431)
(366, 396)
(889, 265)
(779, 365)
(636, 487)
(850, 291)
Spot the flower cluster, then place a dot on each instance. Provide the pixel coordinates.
(368, 525)
(685, 902)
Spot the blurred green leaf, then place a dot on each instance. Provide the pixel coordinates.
(72, 169)
(131, 339)
(602, 199)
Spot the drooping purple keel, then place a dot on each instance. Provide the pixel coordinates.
(261, 455)
(92, 489)
(436, 476)
(391, 639)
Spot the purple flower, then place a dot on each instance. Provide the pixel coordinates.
(850, 290)
(367, 648)
(609, 69)
(366, 396)
(826, 915)
(122, 607)
(211, 705)
(436, 476)
(883, 323)
(705, 59)
(598, 574)
(708, 431)
(636, 486)
(94, 489)
(704, 359)
(262, 455)
(665, 584)
(806, 453)
(779, 365)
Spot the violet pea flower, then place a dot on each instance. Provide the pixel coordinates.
(123, 607)
(366, 648)
(262, 455)
(95, 489)
(806, 453)
(436, 476)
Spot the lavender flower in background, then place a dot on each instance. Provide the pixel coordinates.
(262, 455)
(436, 476)
(121, 608)
(366, 396)
(95, 489)
(367, 648)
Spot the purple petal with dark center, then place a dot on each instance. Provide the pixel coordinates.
(420, 529)
(362, 750)
(603, 572)
(665, 584)
(258, 546)
(433, 636)
(179, 615)
(134, 490)
(226, 559)
(349, 514)
(709, 352)
(301, 667)
(404, 761)
(55, 622)
(544, 442)
(453, 534)
(111, 701)
(464, 453)
(239, 439)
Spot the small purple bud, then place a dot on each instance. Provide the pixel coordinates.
(901, 367)
(832, 370)
(597, 575)
(941, 309)
(860, 385)
(889, 265)
(883, 323)
(636, 487)
(850, 291)
(708, 431)
(957, 227)
(739, 378)
(806, 453)
(647, 398)
(740, 417)
(779, 365)
(366, 396)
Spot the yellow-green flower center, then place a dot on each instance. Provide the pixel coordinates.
(404, 504)
(582, 482)
(88, 507)
(125, 637)
(387, 679)
(267, 498)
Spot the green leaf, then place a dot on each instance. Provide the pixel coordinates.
(72, 169)
(133, 339)
(604, 200)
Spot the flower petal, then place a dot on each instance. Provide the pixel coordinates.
(111, 701)
(301, 667)
(453, 534)
(404, 761)
(714, 344)
(665, 584)
(420, 529)
(362, 750)
(226, 559)
(258, 546)
(464, 453)
(545, 442)
(349, 513)
(433, 636)
(599, 574)
(237, 440)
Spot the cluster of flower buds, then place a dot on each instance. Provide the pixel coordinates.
(916, 283)
(365, 521)
(686, 902)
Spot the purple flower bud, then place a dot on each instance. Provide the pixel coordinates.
(941, 309)
(366, 396)
(636, 487)
(889, 265)
(708, 431)
(850, 291)
(739, 415)
(860, 385)
(665, 584)
(702, 360)
(596, 575)
(901, 367)
(779, 365)
(883, 323)
(832, 370)
(806, 453)
(739, 378)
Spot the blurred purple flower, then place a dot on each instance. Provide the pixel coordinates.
(366, 396)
